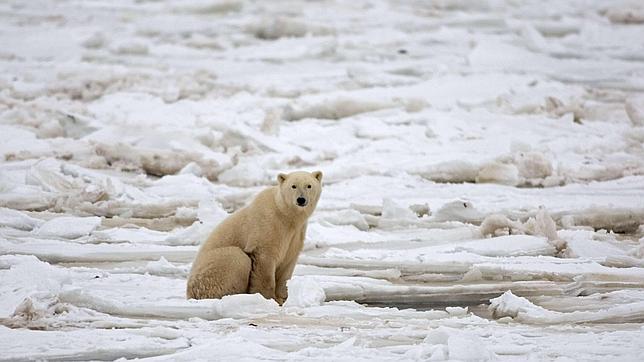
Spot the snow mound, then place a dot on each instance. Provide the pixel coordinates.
(245, 305)
(445, 343)
(304, 292)
(68, 227)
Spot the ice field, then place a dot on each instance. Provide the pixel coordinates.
(483, 191)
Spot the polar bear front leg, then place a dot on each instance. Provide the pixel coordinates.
(262, 276)
(281, 291)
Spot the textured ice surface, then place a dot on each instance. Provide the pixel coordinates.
(483, 177)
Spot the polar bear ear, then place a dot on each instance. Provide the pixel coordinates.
(281, 178)
(317, 175)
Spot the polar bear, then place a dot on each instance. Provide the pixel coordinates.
(255, 249)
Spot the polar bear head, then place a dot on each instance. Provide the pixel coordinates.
(300, 191)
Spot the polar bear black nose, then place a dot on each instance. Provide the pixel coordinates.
(301, 201)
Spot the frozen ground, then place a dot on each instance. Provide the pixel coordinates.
(483, 160)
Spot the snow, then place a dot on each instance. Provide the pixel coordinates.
(304, 292)
(69, 227)
(483, 163)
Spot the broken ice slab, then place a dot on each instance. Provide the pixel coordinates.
(622, 278)
(452, 258)
(593, 302)
(619, 220)
(523, 310)
(17, 220)
(90, 344)
(623, 261)
(379, 292)
(65, 252)
(67, 227)
(557, 269)
(233, 306)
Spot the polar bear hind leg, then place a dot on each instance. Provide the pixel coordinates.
(226, 272)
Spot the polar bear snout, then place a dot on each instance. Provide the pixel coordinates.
(301, 201)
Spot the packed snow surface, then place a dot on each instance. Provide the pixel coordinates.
(483, 177)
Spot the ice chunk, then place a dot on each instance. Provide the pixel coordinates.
(96, 40)
(232, 306)
(271, 123)
(634, 107)
(542, 224)
(452, 171)
(27, 277)
(202, 7)
(156, 161)
(211, 213)
(498, 173)
(460, 345)
(509, 305)
(583, 244)
(393, 212)
(458, 210)
(347, 217)
(68, 227)
(620, 220)
(497, 224)
(337, 108)
(395, 215)
(164, 267)
(17, 220)
(245, 305)
(304, 292)
(322, 233)
(533, 165)
(621, 15)
(131, 47)
(191, 169)
(456, 311)
(245, 174)
(48, 175)
(280, 27)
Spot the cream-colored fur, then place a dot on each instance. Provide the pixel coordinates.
(255, 249)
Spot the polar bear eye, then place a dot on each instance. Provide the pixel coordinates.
(308, 186)
(293, 186)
